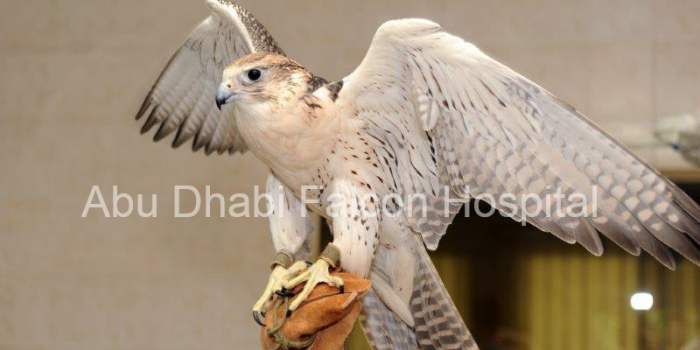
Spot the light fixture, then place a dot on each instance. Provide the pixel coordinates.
(642, 301)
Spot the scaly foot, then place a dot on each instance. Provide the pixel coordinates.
(278, 278)
(315, 274)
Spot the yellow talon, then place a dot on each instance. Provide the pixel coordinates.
(315, 274)
(277, 281)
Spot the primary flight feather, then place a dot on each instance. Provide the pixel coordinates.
(425, 114)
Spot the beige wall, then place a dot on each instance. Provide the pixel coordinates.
(72, 76)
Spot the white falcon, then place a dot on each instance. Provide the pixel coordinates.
(424, 111)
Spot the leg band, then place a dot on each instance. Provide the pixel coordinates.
(282, 258)
(331, 255)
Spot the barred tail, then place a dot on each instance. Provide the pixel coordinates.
(436, 321)
(384, 330)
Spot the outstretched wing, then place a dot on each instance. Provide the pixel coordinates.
(183, 98)
(446, 114)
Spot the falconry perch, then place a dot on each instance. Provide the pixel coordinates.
(425, 113)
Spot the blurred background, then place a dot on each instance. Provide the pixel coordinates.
(74, 74)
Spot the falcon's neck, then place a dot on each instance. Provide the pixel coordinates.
(293, 139)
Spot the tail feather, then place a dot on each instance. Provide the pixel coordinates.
(384, 330)
(436, 321)
(438, 324)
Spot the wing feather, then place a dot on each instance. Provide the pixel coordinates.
(491, 131)
(182, 99)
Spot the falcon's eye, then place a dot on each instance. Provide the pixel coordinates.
(254, 74)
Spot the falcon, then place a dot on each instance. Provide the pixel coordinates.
(425, 113)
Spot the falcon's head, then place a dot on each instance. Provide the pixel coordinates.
(262, 78)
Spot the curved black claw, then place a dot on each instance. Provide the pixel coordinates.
(284, 292)
(259, 318)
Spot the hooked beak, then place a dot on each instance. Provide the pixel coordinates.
(224, 95)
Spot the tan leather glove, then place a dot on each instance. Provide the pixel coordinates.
(322, 322)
